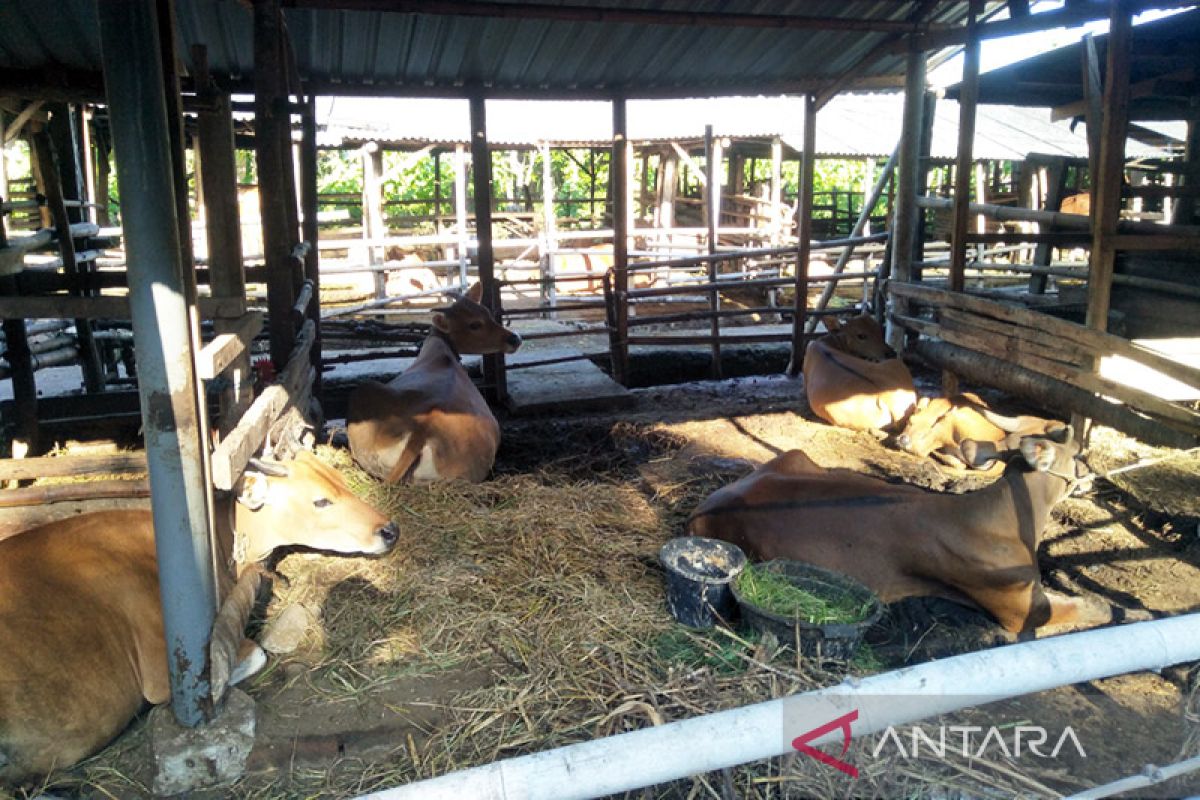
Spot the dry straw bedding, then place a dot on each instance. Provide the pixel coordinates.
(544, 589)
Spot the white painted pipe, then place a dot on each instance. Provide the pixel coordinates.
(1150, 776)
(714, 741)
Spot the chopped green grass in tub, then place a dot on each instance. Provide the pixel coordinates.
(777, 594)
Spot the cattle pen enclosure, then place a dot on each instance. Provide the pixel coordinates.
(632, 313)
(527, 612)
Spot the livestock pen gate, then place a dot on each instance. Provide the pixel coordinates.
(125, 51)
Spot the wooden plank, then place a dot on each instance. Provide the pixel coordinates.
(1149, 244)
(1017, 351)
(102, 307)
(1051, 347)
(20, 469)
(1099, 342)
(229, 458)
(1047, 392)
(216, 356)
(70, 492)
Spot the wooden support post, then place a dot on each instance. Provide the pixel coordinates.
(549, 223)
(89, 355)
(804, 233)
(1093, 89)
(923, 170)
(1056, 180)
(218, 179)
(460, 211)
(619, 174)
(668, 180)
(1106, 206)
(712, 216)
(904, 221)
(967, 102)
(1184, 212)
(63, 132)
(271, 125)
(310, 229)
(20, 365)
(372, 211)
(103, 173)
(776, 191)
(481, 169)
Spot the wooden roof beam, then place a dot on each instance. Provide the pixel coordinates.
(1174, 84)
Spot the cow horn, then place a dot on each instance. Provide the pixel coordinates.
(1006, 424)
(275, 469)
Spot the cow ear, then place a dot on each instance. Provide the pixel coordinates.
(475, 293)
(833, 324)
(1038, 452)
(440, 322)
(253, 491)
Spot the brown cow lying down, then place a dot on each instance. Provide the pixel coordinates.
(979, 548)
(963, 432)
(854, 380)
(81, 628)
(430, 422)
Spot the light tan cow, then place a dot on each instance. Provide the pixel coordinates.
(978, 548)
(854, 380)
(81, 628)
(430, 422)
(942, 426)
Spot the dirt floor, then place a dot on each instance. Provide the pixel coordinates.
(527, 612)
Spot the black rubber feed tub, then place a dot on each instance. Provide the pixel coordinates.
(699, 571)
(829, 641)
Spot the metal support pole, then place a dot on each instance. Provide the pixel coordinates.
(904, 221)
(174, 444)
(618, 174)
(804, 233)
(481, 169)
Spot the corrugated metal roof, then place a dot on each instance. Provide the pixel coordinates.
(869, 125)
(402, 53)
(850, 125)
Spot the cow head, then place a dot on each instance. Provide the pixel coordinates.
(470, 327)
(304, 502)
(1055, 453)
(862, 336)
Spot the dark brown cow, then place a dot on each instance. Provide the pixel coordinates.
(81, 628)
(854, 380)
(940, 426)
(430, 422)
(902, 541)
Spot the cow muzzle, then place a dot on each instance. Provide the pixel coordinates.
(512, 343)
(389, 534)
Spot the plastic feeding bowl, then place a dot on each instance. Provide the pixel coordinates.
(820, 612)
(699, 571)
